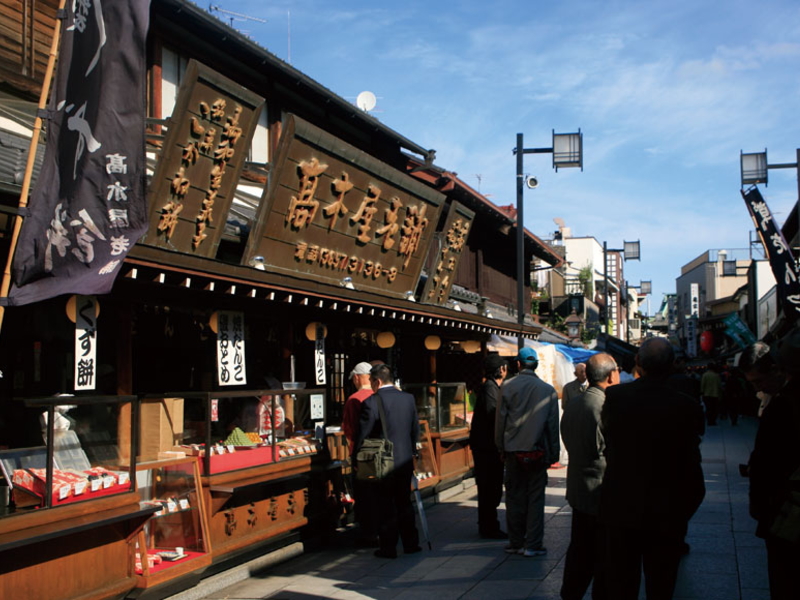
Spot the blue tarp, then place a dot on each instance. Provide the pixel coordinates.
(576, 355)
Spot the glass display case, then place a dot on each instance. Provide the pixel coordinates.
(233, 430)
(84, 452)
(425, 468)
(176, 537)
(442, 405)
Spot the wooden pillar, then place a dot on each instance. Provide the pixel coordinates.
(124, 373)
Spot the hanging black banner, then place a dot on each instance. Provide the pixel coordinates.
(780, 256)
(88, 207)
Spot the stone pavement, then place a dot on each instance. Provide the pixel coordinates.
(726, 562)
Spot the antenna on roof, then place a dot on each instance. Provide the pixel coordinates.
(232, 16)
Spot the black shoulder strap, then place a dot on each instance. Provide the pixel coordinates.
(382, 413)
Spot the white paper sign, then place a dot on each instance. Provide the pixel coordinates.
(85, 342)
(319, 360)
(230, 348)
(317, 406)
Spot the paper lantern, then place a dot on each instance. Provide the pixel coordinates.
(433, 342)
(311, 331)
(707, 341)
(385, 339)
(72, 308)
(471, 346)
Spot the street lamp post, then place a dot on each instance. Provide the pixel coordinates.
(630, 251)
(645, 288)
(567, 151)
(754, 169)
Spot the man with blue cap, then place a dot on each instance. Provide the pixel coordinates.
(526, 433)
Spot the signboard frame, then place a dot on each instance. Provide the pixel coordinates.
(335, 214)
(206, 146)
(452, 244)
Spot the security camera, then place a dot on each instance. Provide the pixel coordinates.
(532, 182)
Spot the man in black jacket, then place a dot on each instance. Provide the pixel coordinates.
(653, 482)
(488, 464)
(394, 493)
(775, 459)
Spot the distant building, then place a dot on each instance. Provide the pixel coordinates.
(715, 288)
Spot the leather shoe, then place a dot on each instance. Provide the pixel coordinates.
(412, 550)
(383, 553)
(367, 543)
(494, 535)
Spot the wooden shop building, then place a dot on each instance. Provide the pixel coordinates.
(290, 236)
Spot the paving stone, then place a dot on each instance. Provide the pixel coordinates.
(726, 561)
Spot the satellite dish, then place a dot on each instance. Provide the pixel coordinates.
(366, 101)
(559, 221)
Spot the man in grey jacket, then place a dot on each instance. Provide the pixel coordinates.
(526, 434)
(583, 437)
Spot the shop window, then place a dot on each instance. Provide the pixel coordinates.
(88, 438)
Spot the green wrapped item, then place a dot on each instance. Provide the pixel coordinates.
(238, 437)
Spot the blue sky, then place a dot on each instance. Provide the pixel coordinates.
(666, 93)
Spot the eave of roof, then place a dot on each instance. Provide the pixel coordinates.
(190, 15)
(447, 182)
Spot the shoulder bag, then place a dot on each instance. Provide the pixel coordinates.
(375, 458)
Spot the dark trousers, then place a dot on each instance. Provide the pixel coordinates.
(366, 508)
(629, 551)
(525, 489)
(712, 409)
(783, 560)
(489, 480)
(584, 560)
(396, 511)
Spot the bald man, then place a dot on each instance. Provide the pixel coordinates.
(583, 437)
(575, 387)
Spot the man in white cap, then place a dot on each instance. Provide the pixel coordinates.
(526, 433)
(365, 513)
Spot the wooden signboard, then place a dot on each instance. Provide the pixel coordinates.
(333, 213)
(454, 239)
(205, 149)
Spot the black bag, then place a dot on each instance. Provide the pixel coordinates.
(375, 458)
(786, 525)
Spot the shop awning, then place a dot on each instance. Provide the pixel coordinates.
(179, 271)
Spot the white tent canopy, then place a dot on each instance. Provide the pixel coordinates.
(554, 367)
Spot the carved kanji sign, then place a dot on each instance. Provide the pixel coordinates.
(331, 211)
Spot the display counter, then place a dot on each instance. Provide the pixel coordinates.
(443, 406)
(254, 451)
(175, 540)
(72, 511)
(426, 467)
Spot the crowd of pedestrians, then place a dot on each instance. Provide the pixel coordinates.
(634, 472)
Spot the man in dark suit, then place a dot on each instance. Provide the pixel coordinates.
(653, 482)
(394, 493)
(775, 460)
(488, 463)
(583, 436)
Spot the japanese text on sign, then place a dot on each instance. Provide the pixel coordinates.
(230, 348)
(85, 342)
(395, 229)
